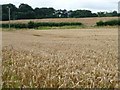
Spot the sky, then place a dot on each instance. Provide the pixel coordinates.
(93, 5)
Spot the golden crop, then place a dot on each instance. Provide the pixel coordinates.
(61, 59)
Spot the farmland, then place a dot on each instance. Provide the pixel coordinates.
(85, 21)
(82, 58)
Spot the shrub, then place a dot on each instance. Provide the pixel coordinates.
(40, 24)
(108, 23)
(31, 24)
(111, 22)
(17, 25)
(100, 23)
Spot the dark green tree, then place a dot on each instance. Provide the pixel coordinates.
(24, 11)
(101, 14)
(5, 11)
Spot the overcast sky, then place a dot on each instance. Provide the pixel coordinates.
(94, 5)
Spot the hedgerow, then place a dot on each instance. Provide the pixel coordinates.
(108, 23)
(40, 24)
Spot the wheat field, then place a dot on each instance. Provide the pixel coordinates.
(85, 58)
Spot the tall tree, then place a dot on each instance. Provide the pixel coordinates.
(5, 12)
(25, 12)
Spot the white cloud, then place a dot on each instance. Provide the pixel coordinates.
(95, 5)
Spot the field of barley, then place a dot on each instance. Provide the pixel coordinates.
(85, 58)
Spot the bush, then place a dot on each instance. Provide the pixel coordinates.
(41, 24)
(52, 24)
(100, 23)
(31, 24)
(108, 23)
(112, 22)
(17, 25)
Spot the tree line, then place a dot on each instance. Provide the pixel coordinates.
(25, 11)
